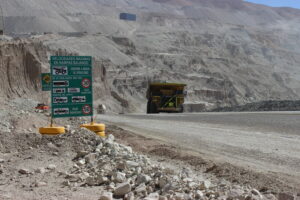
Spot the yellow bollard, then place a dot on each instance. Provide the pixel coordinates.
(99, 129)
(101, 134)
(52, 130)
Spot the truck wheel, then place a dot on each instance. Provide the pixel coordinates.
(153, 108)
(148, 107)
(181, 109)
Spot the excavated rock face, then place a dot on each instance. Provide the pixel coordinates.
(217, 73)
(20, 68)
(228, 52)
(233, 67)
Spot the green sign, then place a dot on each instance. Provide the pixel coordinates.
(46, 81)
(72, 91)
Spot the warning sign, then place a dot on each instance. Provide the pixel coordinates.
(86, 109)
(46, 81)
(72, 91)
(86, 83)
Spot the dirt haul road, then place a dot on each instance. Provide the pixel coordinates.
(268, 142)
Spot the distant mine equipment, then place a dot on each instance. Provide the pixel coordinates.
(101, 109)
(165, 97)
(128, 16)
(42, 106)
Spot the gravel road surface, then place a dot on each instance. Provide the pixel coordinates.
(265, 141)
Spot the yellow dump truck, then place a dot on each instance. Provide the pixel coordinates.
(165, 97)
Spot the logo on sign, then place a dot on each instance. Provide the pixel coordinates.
(60, 99)
(59, 90)
(73, 90)
(61, 83)
(79, 99)
(86, 83)
(86, 109)
(61, 111)
(60, 70)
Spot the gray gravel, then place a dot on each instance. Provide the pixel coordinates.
(242, 139)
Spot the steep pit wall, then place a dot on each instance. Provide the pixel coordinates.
(20, 68)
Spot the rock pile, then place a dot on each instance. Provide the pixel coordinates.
(125, 174)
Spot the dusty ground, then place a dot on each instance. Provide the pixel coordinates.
(32, 151)
(267, 143)
(227, 171)
(21, 147)
(238, 153)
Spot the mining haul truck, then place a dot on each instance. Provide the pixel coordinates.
(165, 97)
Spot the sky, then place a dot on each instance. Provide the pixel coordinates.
(278, 3)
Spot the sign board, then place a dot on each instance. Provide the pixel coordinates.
(46, 81)
(72, 91)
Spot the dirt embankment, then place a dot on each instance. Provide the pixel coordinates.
(20, 68)
(286, 105)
